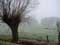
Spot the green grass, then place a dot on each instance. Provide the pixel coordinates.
(32, 32)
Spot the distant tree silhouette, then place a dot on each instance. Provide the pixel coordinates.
(47, 38)
(58, 29)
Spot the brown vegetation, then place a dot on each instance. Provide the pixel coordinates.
(32, 42)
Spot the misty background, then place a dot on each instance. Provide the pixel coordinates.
(42, 22)
(47, 8)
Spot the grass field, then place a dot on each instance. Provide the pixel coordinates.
(32, 32)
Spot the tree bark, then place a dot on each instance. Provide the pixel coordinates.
(14, 34)
(14, 29)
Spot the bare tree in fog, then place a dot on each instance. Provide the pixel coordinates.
(12, 13)
(12, 17)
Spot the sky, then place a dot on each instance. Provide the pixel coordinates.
(47, 8)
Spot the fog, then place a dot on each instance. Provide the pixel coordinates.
(35, 29)
(47, 8)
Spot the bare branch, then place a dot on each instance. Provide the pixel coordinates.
(24, 6)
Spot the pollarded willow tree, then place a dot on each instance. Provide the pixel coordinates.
(12, 13)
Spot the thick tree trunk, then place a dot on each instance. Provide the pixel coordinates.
(14, 29)
(13, 23)
(14, 34)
